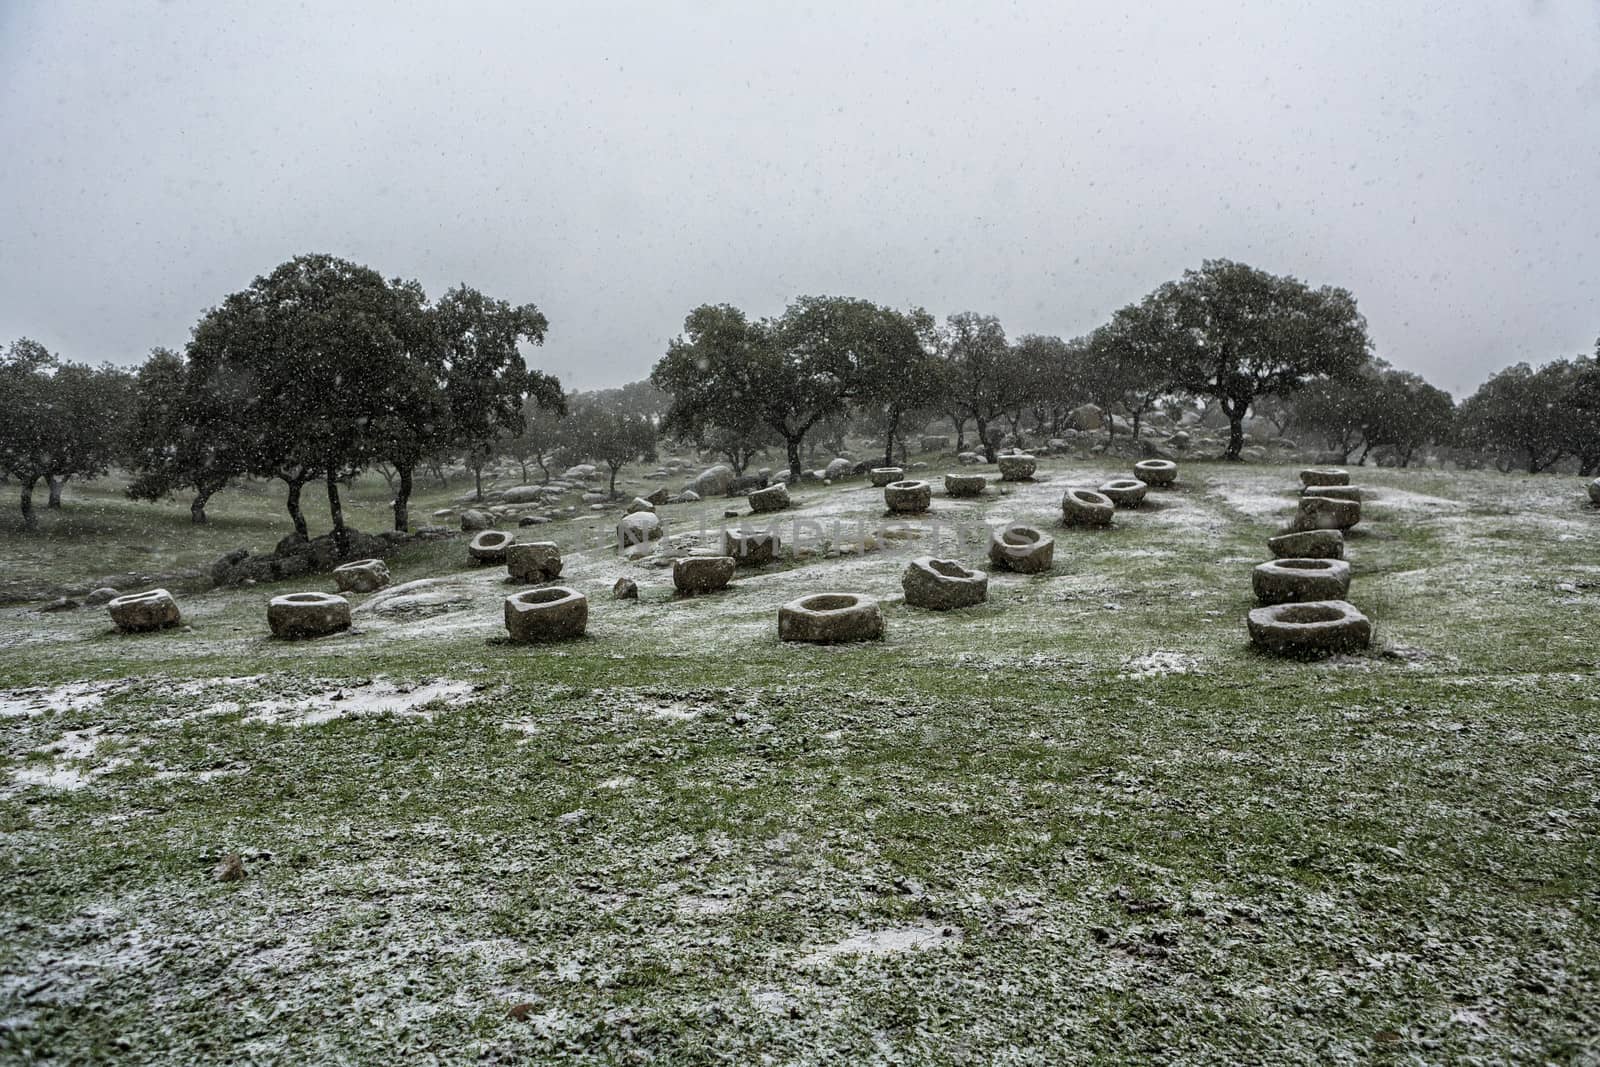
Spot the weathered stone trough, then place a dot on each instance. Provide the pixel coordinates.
(1021, 549)
(1017, 467)
(1308, 544)
(1284, 581)
(1085, 507)
(1317, 628)
(297, 615)
(965, 484)
(908, 497)
(135, 613)
(1125, 492)
(943, 584)
(1324, 476)
(882, 476)
(1333, 492)
(552, 613)
(751, 548)
(489, 547)
(828, 618)
(534, 561)
(1156, 472)
(772, 498)
(1327, 513)
(694, 575)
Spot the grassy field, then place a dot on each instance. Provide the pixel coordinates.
(1082, 823)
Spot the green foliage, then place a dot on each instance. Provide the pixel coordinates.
(616, 439)
(1536, 418)
(1379, 408)
(978, 373)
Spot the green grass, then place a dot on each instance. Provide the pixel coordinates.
(645, 834)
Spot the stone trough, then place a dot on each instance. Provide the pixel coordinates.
(943, 584)
(489, 547)
(1021, 549)
(1333, 492)
(1085, 507)
(296, 615)
(751, 548)
(1308, 544)
(1312, 476)
(1017, 467)
(362, 576)
(553, 613)
(1156, 472)
(965, 484)
(136, 613)
(535, 561)
(1125, 492)
(1284, 581)
(828, 618)
(695, 575)
(908, 497)
(772, 498)
(1317, 628)
(882, 476)
(1594, 492)
(1327, 513)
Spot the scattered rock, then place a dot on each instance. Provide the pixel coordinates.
(772, 498)
(638, 504)
(837, 468)
(625, 589)
(63, 603)
(231, 869)
(362, 576)
(751, 548)
(473, 520)
(104, 595)
(1017, 467)
(639, 528)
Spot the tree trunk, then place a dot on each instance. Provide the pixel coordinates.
(1235, 413)
(293, 504)
(793, 445)
(1365, 452)
(29, 520)
(477, 475)
(612, 486)
(197, 507)
(983, 439)
(1138, 417)
(55, 485)
(888, 444)
(402, 500)
(341, 537)
(544, 471)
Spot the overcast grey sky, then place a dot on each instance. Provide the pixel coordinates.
(618, 164)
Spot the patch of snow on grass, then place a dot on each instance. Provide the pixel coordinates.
(74, 696)
(1159, 664)
(914, 938)
(377, 697)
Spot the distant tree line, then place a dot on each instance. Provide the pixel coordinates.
(323, 368)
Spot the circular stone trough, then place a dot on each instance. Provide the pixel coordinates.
(296, 615)
(908, 498)
(489, 546)
(827, 618)
(882, 476)
(1021, 549)
(1085, 507)
(554, 613)
(943, 584)
(1125, 492)
(965, 484)
(136, 613)
(1317, 628)
(1157, 472)
(1284, 581)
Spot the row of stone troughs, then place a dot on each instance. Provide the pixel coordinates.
(1302, 589)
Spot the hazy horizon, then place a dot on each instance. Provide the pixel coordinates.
(624, 163)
